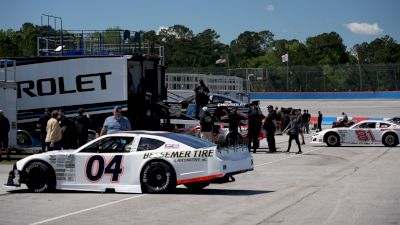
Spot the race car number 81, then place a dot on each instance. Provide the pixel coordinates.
(95, 168)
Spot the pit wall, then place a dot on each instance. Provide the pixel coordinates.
(326, 95)
(329, 120)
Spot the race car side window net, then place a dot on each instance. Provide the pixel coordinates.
(110, 145)
(146, 144)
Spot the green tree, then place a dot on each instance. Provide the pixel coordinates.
(327, 49)
(380, 50)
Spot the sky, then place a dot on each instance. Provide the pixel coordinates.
(356, 21)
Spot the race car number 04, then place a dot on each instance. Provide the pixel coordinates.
(365, 136)
(113, 168)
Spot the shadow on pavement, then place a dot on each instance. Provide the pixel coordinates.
(227, 192)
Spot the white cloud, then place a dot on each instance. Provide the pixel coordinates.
(270, 8)
(161, 28)
(364, 28)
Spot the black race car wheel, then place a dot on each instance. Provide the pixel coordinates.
(158, 177)
(196, 186)
(39, 177)
(390, 140)
(332, 139)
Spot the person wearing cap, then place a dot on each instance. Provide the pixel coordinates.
(4, 129)
(270, 126)
(53, 132)
(115, 123)
(206, 125)
(41, 124)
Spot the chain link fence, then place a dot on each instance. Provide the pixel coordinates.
(330, 78)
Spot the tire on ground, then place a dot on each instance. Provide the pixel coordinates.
(40, 177)
(157, 177)
(390, 140)
(332, 139)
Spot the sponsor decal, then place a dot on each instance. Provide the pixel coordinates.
(363, 135)
(182, 156)
(96, 167)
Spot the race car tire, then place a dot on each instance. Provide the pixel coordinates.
(332, 139)
(39, 177)
(158, 177)
(390, 140)
(196, 186)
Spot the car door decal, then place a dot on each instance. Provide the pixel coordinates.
(363, 135)
(96, 167)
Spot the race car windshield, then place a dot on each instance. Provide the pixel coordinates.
(189, 140)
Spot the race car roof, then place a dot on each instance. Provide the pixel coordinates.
(191, 141)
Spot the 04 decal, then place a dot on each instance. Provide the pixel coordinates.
(96, 167)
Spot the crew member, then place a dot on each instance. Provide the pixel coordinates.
(69, 140)
(270, 126)
(234, 118)
(4, 129)
(206, 125)
(82, 122)
(293, 131)
(41, 124)
(53, 130)
(345, 117)
(319, 120)
(201, 97)
(254, 126)
(115, 123)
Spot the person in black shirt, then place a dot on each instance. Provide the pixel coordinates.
(270, 126)
(41, 124)
(319, 120)
(206, 125)
(4, 129)
(234, 119)
(293, 131)
(254, 127)
(201, 97)
(306, 117)
(82, 124)
(68, 140)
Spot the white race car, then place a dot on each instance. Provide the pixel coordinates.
(135, 161)
(364, 132)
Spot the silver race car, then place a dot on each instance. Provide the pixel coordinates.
(364, 132)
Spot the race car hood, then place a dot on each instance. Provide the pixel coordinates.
(42, 156)
(331, 129)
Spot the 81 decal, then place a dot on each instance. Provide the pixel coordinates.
(363, 135)
(96, 167)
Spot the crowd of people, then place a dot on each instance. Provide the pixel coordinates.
(292, 122)
(60, 132)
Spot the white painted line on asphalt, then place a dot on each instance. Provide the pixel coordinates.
(293, 156)
(86, 210)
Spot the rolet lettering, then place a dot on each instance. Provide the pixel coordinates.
(49, 86)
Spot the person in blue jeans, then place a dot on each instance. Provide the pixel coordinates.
(115, 123)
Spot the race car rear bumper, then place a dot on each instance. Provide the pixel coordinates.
(14, 177)
(229, 177)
